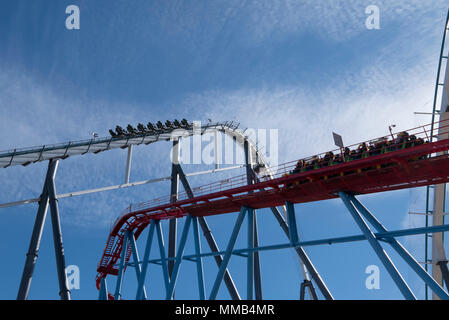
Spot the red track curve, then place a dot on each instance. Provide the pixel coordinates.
(390, 171)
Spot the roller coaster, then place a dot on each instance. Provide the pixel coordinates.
(398, 164)
(414, 158)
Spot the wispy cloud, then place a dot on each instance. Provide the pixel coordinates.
(255, 20)
(34, 114)
(306, 118)
(359, 103)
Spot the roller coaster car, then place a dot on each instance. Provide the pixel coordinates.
(131, 129)
(168, 124)
(151, 127)
(185, 123)
(160, 125)
(112, 133)
(176, 123)
(141, 128)
(120, 131)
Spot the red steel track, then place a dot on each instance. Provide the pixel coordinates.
(406, 168)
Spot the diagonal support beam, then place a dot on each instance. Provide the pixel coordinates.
(33, 250)
(135, 253)
(146, 257)
(64, 291)
(48, 197)
(103, 295)
(304, 258)
(179, 255)
(380, 252)
(228, 253)
(199, 260)
(121, 269)
(291, 220)
(427, 278)
(294, 239)
(218, 258)
(160, 241)
(210, 239)
(251, 178)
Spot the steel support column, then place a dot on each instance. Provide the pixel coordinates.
(135, 253)
(210, 239)
(160, 240)
(252, 178)
(64, 291)
(218, 258)
(173, 223)
(182, 245)
(146, 258)
(304, 258)
(257, 276)
(427, 278)
(299, 251)
(250, 258)
(121, 269)
(291, 220)
(128, 163)
(199, 260)
(33, 250)
(294, 239)
(103, 294)
(380, 252)
(228, 253)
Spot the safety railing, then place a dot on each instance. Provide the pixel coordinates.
(104, 142)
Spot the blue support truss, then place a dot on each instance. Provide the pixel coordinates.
(146, 258)
(228, 253)
(103, 294)
(121, 270)
(47, 198)
(160, 239)
(199, 260)
(291, 220)
(426, 277)
(135, 254)
(179, 256)
(380, 252)
(361, 215)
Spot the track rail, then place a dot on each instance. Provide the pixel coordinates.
(405, 168)
(30, 155)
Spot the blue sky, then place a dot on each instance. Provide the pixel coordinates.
(306, 68)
